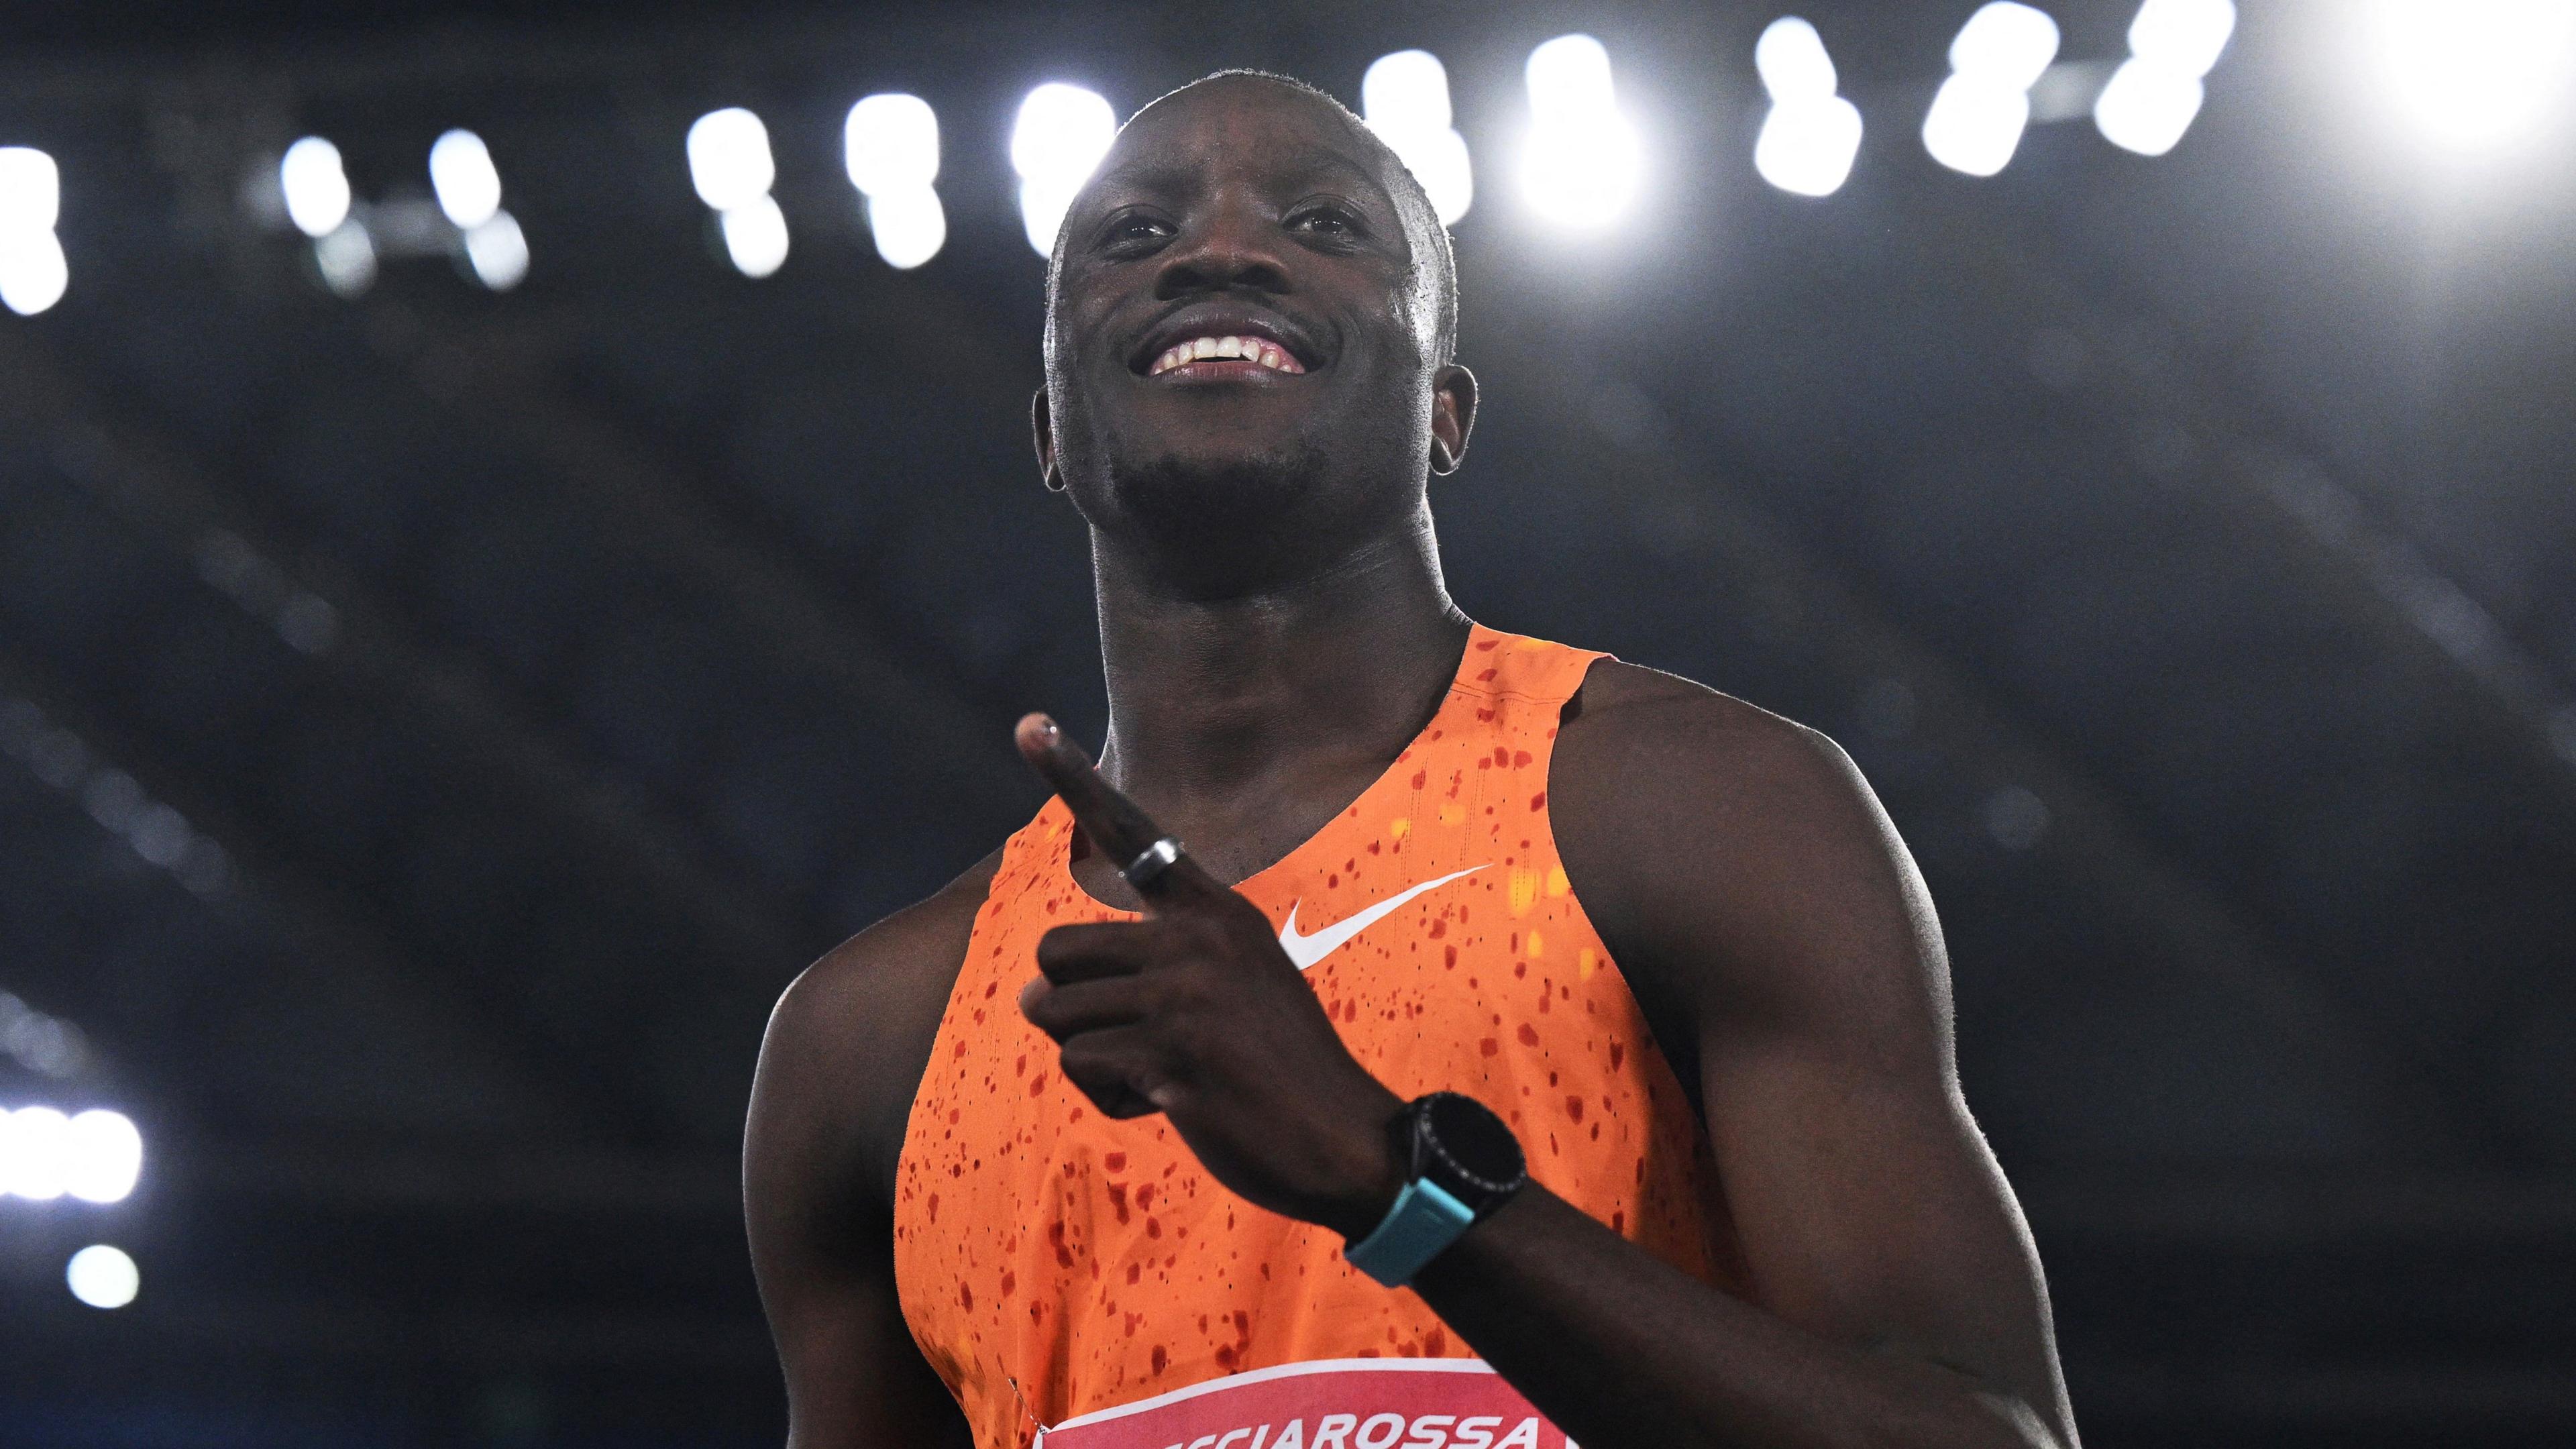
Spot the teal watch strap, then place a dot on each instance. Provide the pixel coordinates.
(1424, 1220)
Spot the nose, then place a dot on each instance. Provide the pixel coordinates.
(1229, 246)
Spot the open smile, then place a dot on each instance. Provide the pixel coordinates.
(1227, 356)
(1225, 341)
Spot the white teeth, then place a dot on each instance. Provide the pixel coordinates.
(1248, 349)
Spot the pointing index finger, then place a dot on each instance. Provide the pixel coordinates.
(1118, 827)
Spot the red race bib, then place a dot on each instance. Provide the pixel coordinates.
(1345, 1403)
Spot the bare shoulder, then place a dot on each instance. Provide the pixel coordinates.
(1740, 861)
(1668, 753)
(849, 1038)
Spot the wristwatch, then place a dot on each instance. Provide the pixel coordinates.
(1461, 1163)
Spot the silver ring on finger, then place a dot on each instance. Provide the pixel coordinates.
(1156, 858)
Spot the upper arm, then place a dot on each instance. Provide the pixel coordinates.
(1739, 866)
(838, 1069)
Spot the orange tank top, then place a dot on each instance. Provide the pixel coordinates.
(1056, 1265)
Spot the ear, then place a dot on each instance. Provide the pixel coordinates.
(1042, 425)
(1453, 415)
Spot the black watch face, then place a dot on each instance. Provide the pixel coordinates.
(1477, 1141)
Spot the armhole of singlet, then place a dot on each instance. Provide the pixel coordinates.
(1551, 734)
(1027, 850)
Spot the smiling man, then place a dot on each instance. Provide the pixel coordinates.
(1525, 1048)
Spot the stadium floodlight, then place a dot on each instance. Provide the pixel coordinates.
(729, 160)
(2184, 37)
(102, 1276)
(497, 250)
(1057, 142)
(890, 143)
(1811, 134)
(1404, 97)
(755, 237)
(2152, 98)
(890, 146)
(102, 1156)
(316, 189)
(909, 226)
(2146, 108)
(2474, 74)
(31, 190)
(1584, 164)
(34, 273)
(346, 258)
(1979, 113)
(35, 1152)
(461, 173)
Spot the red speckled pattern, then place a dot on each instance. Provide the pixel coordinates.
(1053, 1262)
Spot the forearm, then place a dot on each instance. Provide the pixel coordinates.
(1618, 1348)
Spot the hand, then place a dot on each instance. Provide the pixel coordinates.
(1196, 1012)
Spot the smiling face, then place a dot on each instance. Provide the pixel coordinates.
(1246, 369)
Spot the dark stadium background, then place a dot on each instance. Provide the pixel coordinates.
(2185, 547)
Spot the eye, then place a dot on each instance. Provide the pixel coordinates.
(1135, 228)
(1328, 220)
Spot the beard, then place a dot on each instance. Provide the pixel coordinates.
(1225, 526)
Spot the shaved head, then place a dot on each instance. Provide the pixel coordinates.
(1432, 251)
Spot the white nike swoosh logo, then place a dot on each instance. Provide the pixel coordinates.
(1307, 950)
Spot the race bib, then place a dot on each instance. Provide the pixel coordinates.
(1345, 1403)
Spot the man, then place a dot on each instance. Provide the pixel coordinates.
(1123, 1143)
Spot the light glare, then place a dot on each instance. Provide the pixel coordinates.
(1584, 162)
(1810, 136)
(2182, 37)
(316, 189)
(1405, 100)
(1406, 91)
(755, 237)
(910, 226)
(462, 174)
(103, 1156)
(1570, 77)
(35, 1153)
(890, 143)
(2474, 73)
(1974, 127)
(2146, 108)
(103, 1277)
(2152, 98)
(1978, 115)
(1806, 146)
(729, 160)
(34, 273)
(497, 250)
(31, 190)
(2005, 45)
(347, 258)
(1792, 62)
(1057, 142)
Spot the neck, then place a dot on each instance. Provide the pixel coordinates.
(1218, 701)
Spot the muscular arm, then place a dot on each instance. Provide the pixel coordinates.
(1761, 902)
(838, 1070)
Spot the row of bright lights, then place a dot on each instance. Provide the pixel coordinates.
(2468, 71)
(46, 1154)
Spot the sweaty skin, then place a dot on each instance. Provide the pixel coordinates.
(1275, 631)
